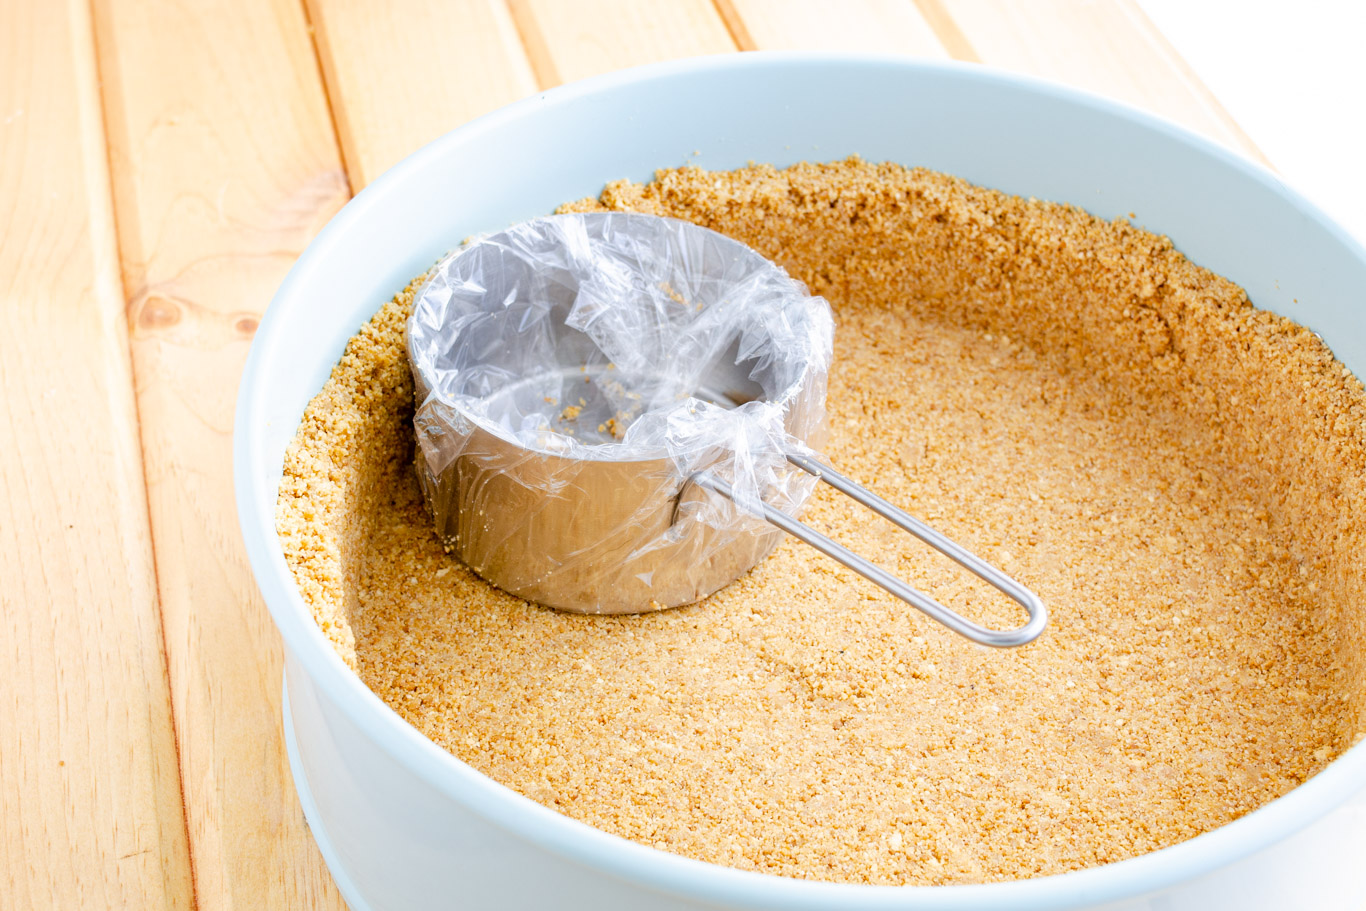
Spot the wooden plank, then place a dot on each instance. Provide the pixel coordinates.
(225, 166)
(390, 96)
(1105, 46)
(871, 26)
(90, 813)
(444, 62)
(568, 41)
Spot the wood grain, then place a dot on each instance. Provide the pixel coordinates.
(225, 166)
(1104, 46)
(90, 812)
(869, 26)
(568, 41)
(434, 64)
(440, 64)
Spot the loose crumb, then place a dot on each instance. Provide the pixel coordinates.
(1178, 475)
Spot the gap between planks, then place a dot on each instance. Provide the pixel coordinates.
(333, 111)
(534, 44)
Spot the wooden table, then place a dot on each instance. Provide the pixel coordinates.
(161, 166)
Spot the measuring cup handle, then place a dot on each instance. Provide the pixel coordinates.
(1038, 613)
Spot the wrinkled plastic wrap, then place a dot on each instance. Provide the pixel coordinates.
(575, 371)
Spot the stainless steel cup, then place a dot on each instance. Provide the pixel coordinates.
(572, 517)
(570, 481)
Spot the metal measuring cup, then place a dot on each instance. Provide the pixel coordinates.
(616, 413)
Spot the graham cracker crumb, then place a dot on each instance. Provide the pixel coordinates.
(1180, 477)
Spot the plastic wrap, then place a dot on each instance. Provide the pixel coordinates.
(575, 371)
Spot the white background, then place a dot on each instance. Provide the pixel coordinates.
(1293, 75)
